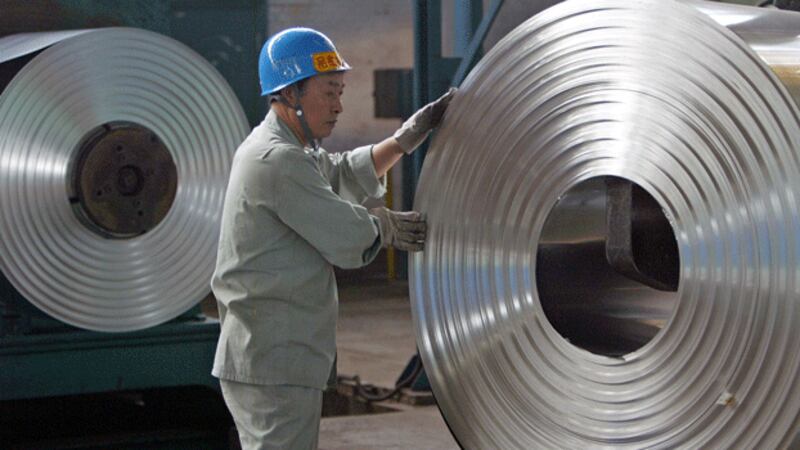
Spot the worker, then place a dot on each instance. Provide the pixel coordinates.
(291, 212)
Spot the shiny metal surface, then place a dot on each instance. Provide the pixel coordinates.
(658, 93)
(773, 34)
(79, 82)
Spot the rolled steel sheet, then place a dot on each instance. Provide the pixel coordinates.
(74, 84)
(528, 338)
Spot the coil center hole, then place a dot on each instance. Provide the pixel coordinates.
(607, 266)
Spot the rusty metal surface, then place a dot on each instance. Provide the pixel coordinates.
(124, 180)
(640, 243)
(34, 15)
(24, 16)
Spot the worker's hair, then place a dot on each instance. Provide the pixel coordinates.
(301, 88)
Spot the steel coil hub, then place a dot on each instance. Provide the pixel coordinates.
(123, 180)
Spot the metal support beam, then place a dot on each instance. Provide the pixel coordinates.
(433, 73)
(427, 55)
(474, 50)
(467, 19)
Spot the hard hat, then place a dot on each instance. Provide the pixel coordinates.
(296, 54)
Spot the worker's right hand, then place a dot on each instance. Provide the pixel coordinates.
(417, 128)
(401, 230)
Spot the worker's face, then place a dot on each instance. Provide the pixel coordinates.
(322, 102)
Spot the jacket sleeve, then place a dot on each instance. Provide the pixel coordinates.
(345, 234)
(352, 174)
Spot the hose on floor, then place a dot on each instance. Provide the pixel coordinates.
(372, 393)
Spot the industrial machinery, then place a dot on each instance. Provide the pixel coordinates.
(98, 231)
(114, 149)
(612, 256)
(612, 252)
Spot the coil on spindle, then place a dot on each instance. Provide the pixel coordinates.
(612, 254)
(115, 147)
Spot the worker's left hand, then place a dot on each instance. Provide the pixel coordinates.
(414, 131)
(403, 230)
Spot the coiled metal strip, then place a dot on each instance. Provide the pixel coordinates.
(79, 82)
(657, 93)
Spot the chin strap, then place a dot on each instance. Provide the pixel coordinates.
(301, 117)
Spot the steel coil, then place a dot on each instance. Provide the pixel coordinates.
(529, 339)
(115, 146)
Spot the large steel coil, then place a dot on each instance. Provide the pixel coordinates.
(115, 146)
(531, 337)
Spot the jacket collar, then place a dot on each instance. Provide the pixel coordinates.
(281, 129)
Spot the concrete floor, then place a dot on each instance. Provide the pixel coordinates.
(375, 334)
(375, 339)
(418, 428)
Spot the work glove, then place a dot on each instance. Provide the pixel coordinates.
(414, 131)
(401, 230)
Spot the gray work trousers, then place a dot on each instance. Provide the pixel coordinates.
(272, 417)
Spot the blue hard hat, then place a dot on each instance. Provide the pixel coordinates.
(296, 54)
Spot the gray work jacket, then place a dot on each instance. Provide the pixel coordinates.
(290, 215)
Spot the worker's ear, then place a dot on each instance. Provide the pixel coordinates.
(290, 94)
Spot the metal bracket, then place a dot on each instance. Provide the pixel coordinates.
(641, 244)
